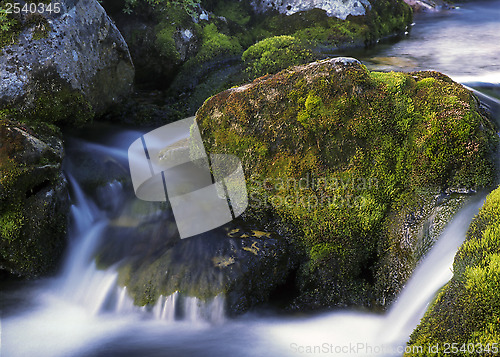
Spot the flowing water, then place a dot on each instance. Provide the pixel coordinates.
(83, 312)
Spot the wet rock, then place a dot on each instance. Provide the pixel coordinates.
(340, 9)
(355, 162)
(75, 68)
(242, 264)
(33, 199)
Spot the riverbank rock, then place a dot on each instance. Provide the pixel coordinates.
(194, 49)
(340, 9)
(33, 199)
(62, 67)
(65, 67)
(346, 157)
(465, 311)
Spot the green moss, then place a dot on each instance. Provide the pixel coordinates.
(32, 231)
(11, 223)
(165, 42)
(172, 18)
(40, 25)
(274, 54)
(235, 11)
(10, 26)
(466, 310)
(215, 45)
(61, 106)
(373, 137)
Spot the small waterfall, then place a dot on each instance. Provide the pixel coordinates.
(354, 333)
(124, 303)
(97, 290)
(192, 309)
(165, 307)
(433, 273)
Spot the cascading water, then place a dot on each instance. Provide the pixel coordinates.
(84, 308)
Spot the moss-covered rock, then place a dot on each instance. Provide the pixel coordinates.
(336, 152)
(46, 73)
(466, 310)
(33, 198)
(273, 54)
(195, 48)
(57, 68)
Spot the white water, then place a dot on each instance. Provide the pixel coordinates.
(85, 306)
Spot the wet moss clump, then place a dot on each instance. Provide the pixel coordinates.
(331, 149)
(466, 310)
(273, 54)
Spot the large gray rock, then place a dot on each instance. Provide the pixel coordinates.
(80, 50)
(334, 8)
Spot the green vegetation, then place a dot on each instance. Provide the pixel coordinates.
(61, 105)
(273, 54)
(215, 45)
(373, 137)
(466, 309)
(188, 52)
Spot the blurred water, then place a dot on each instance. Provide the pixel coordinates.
(463, 43)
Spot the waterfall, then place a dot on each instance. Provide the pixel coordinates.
(96, 290)
(433, 273)
(85, 312)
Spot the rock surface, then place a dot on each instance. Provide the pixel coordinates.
(34, 199)
(79, 51)
(335, 8)
(346, 157)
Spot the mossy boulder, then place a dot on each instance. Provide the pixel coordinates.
(465, 311)
(275, 53)
(33, 199)
(336, 153)
(77, 68)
